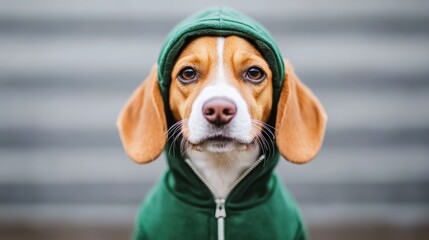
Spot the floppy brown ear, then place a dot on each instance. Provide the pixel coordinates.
(300, 121)
(141, 123)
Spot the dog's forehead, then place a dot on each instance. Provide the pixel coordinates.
(200, 47)
(235, 46)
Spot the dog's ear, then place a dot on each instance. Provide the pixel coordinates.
(300, 121)
(142, 124)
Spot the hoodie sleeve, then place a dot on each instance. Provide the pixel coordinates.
(139, 232)
(301, 233)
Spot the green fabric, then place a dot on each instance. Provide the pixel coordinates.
(180, 206)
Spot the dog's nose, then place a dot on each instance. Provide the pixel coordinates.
(219, 111)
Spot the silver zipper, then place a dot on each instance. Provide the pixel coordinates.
(220, 215)
(220, 212)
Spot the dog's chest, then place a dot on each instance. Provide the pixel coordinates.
(221, 170)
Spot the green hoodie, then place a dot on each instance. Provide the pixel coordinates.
(181, 206)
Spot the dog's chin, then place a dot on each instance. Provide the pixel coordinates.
(221, 145)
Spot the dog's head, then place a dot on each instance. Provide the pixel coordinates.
(221, 97)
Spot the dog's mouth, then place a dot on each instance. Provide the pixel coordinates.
(220, 144)
(219, 138)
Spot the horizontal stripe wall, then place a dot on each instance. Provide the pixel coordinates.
(66, 68)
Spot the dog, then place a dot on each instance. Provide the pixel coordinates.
(223, 118)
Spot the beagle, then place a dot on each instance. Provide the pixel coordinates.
(221, 105)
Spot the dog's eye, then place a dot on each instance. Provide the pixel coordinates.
(254, 75)
(187, 75)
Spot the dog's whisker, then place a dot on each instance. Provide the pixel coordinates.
(271, 146)
(267, 132)
(180, 123)
(174, 129)
(266, 140)
(173, 143)
(175, 125)
(268, 127)
(182, 145)
(258, 141)
(257, 137)
(263, 148)
(265, 127)
(263, 140)
(257, 126)
(264, 123)
(266, 144)
(174, 133)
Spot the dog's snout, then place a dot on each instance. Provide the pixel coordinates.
(219, 111)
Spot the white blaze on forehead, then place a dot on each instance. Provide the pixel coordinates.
(220, 71)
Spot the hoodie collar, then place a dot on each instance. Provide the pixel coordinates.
(253, 189)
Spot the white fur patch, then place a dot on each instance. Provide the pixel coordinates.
(220, 67)
(220, 171)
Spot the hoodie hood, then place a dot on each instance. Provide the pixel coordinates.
(182, 181)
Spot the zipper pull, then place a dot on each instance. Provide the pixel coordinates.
(220, 208)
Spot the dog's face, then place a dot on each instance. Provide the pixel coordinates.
(221, 93)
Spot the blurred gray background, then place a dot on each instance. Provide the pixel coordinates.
(66, 68)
